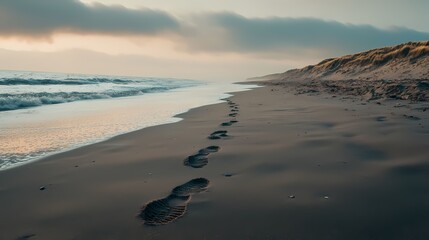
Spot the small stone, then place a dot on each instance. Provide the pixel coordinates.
(411, 117)
(42, 188)
(227, 174)
(292, 196)
(326, 197)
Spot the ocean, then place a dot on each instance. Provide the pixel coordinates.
(46, 113)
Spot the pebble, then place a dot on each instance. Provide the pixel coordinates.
(292, 196)
(42, 188)
(411, 117)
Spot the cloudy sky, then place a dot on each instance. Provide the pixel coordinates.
(219, 40)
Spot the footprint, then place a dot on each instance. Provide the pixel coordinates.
(196, 185)
(218, 135)
(169, 209)
(196, 161)
(200, 159)
(381, 119)
(233, 114)
(209, 149)
(164, 211)
(226, 124)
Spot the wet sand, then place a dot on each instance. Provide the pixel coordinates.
(291, 167)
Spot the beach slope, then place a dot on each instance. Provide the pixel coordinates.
(267, 164)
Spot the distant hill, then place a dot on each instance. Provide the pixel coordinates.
(405, 61)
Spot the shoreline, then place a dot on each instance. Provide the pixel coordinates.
(131, 107)
(294, 166)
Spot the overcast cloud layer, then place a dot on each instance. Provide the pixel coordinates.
(234, 33)
(205, 32)
(41, 18)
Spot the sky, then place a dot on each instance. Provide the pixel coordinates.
(218, 40)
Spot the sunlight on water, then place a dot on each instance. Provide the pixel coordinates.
(29, 134)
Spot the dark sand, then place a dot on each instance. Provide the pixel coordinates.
(292, 167)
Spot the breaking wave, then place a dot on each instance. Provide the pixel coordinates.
(67, 81)
(24, 90)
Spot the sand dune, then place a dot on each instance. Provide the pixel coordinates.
(405, 61)
(399, 72)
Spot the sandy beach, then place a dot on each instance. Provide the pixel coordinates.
(290, 167)
(214, 120)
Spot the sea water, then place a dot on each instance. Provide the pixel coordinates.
(46, 113)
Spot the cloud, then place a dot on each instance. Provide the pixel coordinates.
(43, 18)
(221, 32)
(230, 32)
